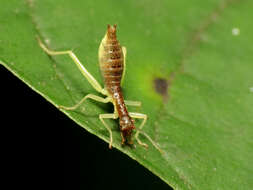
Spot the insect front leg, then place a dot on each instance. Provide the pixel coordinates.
(83, 70)
(139, 116)
(108, 116)
(144, 117)
(91, 96)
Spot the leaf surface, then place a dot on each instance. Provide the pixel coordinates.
(188, 62)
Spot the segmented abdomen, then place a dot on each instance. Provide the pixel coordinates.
(111, 63)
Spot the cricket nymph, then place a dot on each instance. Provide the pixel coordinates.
(111, 60)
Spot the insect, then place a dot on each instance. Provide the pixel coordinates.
(112, 60)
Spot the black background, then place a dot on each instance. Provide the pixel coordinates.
(41, 147)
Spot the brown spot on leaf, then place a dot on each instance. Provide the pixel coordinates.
(161, 87)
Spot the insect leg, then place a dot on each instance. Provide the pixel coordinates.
(144, 117)
(108, 116)
(91, 96)
(124, 64)
(139, 116)
(132, 103)
(83, 70)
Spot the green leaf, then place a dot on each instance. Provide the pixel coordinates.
(188, 62)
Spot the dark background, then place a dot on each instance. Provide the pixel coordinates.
(44, 148)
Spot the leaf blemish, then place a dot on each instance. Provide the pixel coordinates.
(47, 41)
(161, 87)
(235, 31)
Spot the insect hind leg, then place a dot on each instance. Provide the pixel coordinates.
(83, 70)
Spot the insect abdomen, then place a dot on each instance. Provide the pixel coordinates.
(111, 59)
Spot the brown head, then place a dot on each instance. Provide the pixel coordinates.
(126, 127)
(111, 31)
